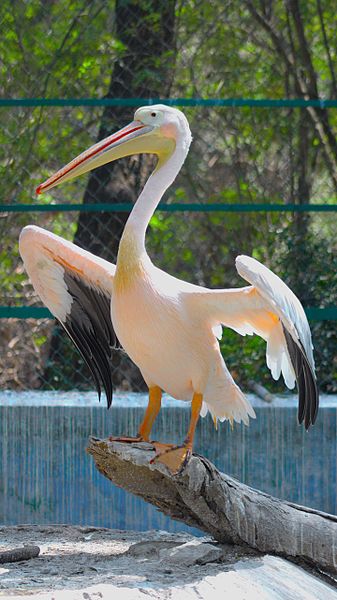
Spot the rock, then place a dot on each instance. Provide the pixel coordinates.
(191, 553)
(149, 549)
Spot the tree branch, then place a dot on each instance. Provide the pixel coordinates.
(327, 48)
(220, 505)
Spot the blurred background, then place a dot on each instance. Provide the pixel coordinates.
(258, 83)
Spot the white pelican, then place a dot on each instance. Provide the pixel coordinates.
(167, 326)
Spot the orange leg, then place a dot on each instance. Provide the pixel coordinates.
(151, 413)
(177, 457)
(146, 425)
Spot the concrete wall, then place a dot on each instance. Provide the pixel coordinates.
(47, 477)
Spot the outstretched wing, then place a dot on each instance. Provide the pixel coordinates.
(76, 287)
(271, 310)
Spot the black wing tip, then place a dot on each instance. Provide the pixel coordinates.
(90, 328)
(308, 396)
(98, 373)
(108, 392)
(311, 392)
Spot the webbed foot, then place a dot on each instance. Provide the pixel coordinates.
(174, 458)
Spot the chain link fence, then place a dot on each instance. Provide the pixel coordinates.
(260, 178)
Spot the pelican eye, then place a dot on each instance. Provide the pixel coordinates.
(153, 114)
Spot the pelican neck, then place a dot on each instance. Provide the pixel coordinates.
(137, 223)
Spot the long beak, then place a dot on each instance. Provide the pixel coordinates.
(135, 138)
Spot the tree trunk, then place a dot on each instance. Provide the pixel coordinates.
(144, 70)
(298, 241)
(220, 505)
(145, 30)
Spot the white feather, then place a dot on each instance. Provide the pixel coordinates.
(281, 300)
(40, 251)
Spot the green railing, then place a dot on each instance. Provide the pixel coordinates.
(37, 312)
(174, 207)
(208, 102)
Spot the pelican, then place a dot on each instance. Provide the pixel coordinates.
(168, 327)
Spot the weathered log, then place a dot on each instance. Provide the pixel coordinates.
(230, 511)
(19, 554)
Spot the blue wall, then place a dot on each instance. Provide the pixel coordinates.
(47, 477)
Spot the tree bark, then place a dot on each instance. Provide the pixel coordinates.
(220, 505)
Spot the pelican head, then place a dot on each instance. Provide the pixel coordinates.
(156, 129)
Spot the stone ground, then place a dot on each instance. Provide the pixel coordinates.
(79, 563)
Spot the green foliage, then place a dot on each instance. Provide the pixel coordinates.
(245, 358)
(60, 49)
